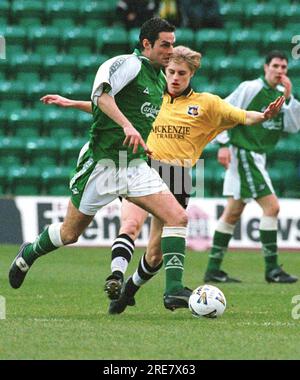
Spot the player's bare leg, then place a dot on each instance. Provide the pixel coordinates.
(53, 237)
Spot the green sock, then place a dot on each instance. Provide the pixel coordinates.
(41, 246)
(219, 247)
(173, 256)
(269, 247)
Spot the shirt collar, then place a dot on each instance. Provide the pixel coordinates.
(187, 92)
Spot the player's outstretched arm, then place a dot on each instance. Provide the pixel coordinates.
(60, 101)
(133, 138)
(253, 117)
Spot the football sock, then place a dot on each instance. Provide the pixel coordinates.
(121, 254)
(143, 274)
(46, 242)
(222, 236)
(173, 247)
(268, 238)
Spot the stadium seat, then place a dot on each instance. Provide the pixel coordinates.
(15, 38)
(56, 121)
(112, 41)
(244, 39)
(253, 67)
(79, 91)
(224, 66)
(45, 40)
(279, 40)
(4, 12)
(12, 146)
(56, 180)
(97, 13)
(69, 150)
(25, 122)
(42, 147)
(84, 122)
(26, 65)
(185, 36)
(212, 42)
(89, 64)
(59, 68)
(27, 12)
(24, 180)
(287, 14)
(261, 15)
(206, 69)
(133, 37)
(61, 13)
(232, 12)
(78, 41)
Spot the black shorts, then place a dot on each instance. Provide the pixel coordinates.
(177, 178)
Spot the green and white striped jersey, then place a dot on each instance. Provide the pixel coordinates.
(137, 88)
(255, 95)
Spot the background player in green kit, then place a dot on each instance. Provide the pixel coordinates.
(126, 97)
(246, 176)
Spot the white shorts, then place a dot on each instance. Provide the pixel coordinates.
(94, 185)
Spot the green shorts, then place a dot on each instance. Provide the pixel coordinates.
(247, 177)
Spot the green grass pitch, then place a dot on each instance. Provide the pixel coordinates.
(61, 312)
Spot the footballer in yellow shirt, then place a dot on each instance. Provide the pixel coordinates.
(186, 123)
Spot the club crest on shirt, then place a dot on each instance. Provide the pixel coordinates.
(193, 110)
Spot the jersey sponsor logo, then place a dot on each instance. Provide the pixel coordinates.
(193, 110)
(171, 131)
(149, 110)
(146, 91)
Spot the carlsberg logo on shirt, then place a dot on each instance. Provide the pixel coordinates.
(149, 110)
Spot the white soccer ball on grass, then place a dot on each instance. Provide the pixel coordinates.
(207, 301)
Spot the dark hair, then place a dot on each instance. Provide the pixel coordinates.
(151, 29)
(275, 54)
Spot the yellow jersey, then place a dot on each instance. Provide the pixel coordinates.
(186, 124)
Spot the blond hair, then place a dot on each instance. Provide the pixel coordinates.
(185, 54)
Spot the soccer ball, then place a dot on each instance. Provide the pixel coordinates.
(207, 301)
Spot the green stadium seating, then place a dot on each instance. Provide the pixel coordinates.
(25, 64)
(84, 122)
(25, 122)
(243, 40)
(56, 180)
(45, 40)
(61, 13)
(27, 12)
(288, 14)
(185, 36)
(56, 119)
(79, 91)
(259, 16)
(78, 41)
(4, 12)
(15, 38)
(89, 65)
(59, 68)
(24, 180)
(212, 42)
(232, 12)
(94, 13)
(133, 37)
(225, 66)
(69, 150)
(11, 92)
(112, 41)
(12, 146)
(36, 148)
(279, 40)
(253, 67)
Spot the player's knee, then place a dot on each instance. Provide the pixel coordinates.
(131, 227)
(154, 260)
(180, 219)
(273, 210)
(69, 237)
